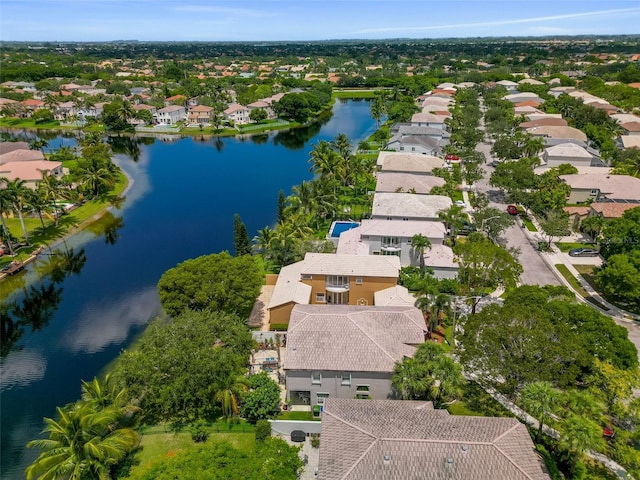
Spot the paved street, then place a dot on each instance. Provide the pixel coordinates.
(535, 270)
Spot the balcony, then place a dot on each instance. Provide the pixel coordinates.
(390, 247)
(337, 287)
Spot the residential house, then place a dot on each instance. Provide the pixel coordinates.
(30, 171)
(598, 187)
(545, 122)
(170, 115)
(398, 182)
(523, 97)
(611, 210)
(347, 351)
(383, 237)
(629, 141)
(512, 87)
(175, 100)
(407, 162)
(558, 132)
(396, 296)
(631, 128)
(426, 119)
(238, 114)
(567, 153)
(408, 129)
(441, 259)
(557, 91)
(262, 105)
(6, 147)
(401, 439)
(31, 105)
(18, 152)
(406, 206)
(530, 81)
(422, 144)
(200, 115)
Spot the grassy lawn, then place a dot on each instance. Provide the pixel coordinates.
(159, 441)
(573, 281)
(528, 224)
(51, 232)
(457, 195)
(566, 246)
(475, 401)
(29, 123)
(297, 416)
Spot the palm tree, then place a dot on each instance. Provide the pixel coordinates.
(96, 176)
(453, 218)
(230, 394)
(580, 434)
(19, 195)
(125, 111)
(419, 243)
(38, 144)
(6, 203)
(39, 203)
(302, 200)
(538, 399)
(408, 380)
(83, 443)
(325, 162)
(448, 384)
(262, 240)
(50, 189)
(378, 109)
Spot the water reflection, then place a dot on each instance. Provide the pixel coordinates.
(22, 368)
(108, 225)
(129, 146)
(33, 306)
(296, 138)
(109, 321)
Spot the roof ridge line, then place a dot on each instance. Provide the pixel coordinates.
(428, 440)
(371, 338)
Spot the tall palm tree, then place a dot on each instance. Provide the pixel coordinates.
(409, 380)
(38, 144)
(580, 434)
(19, 195)
(50, 189)
(420, 243)
(39, 203)
(82, 443)
(125, 111)
(95, 177)
(378, 109)
(6, 203)
(262, 239)
(325, 163)
(448, 383)
(538, 399)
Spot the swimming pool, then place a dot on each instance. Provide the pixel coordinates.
(338, 227)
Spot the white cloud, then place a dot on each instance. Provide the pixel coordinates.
(497, 23)
(21, 368)
(238, 12)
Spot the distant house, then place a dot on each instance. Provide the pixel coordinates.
(6, 147)
(545, 122)
(18, 152)
(558, 132)
(512, 87)
(262, 105)
(344, 351)
(175, 100)
(238, 114)
(170, 115)
(631, 128)
(383, 237)
(567, 153)
(398, 439)
(326, 278)
(611, 210)
(406, 206)
(200, 114)
(629, 141)
(522, 97)
(441, 259)
(599, 187)
(428, 120)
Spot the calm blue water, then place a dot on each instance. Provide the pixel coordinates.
(180, 206)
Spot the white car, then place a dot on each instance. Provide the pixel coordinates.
(460, 203)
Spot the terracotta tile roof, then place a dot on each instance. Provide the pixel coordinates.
(612, 210)
(21, 155)
(580, 211)
(545, 122)
(394, 439)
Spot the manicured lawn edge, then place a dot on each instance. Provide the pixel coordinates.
(573, 281)
(528, 224)
(566, 246)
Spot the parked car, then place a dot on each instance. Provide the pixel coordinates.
(452, 158)
(466, 229)
(584, 252)
(512, 210)
(459, 203)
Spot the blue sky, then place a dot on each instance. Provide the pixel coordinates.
(246, 20)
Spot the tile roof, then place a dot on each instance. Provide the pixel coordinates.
(408, 162)
(350, 265)
(397, 296)
(567, 150)
(545, 122)
(394, 439)
(440, 256)
(400, 181)
(611, 209)
(6, 147)
(402, 228)
(21, 155)
(350, 243)
(558, 132)
(352, 338)
(29, 171)
(171, 108)
(630, 141)
(613, 186)
(408, 205)
(289, 288)
(631, 126)
(425, 117)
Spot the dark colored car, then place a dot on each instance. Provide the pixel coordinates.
(512, 210)
(584, 252)
(466, 229)
(298, 436)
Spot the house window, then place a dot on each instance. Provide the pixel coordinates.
(320, 298)
(594, 192)
(413, 149)
(316, 378)
(401, 149)
(321, 398)
(345, 379)
(305, 276)
(358, 280)
(362, 391)
(390, 241)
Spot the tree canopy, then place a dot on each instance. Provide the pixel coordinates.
(176, 369)
(217, 282)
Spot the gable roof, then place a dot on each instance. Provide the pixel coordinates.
(558, 132)
(611, 209)
(31, 171)
(393, 181)
(352, 338)
(6, 147)
(391, 439)
(425, 117)
(350, 265)
(567, 150)
(397, 296)
(21, 155)
(172, 108)
(545, 122)
(408, 205)
(612, 186)
(408, 162)
(401, 228)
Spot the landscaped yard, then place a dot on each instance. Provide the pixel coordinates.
(566, 246)
(528, 224)
(573, 281)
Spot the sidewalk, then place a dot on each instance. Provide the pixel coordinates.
(556, 257)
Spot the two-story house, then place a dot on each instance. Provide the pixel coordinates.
(236, 113)
(407, 206)
(170, 115)
(346, 351)
(200, 114)
(326, 278)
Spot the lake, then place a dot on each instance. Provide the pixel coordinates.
(84, 303)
